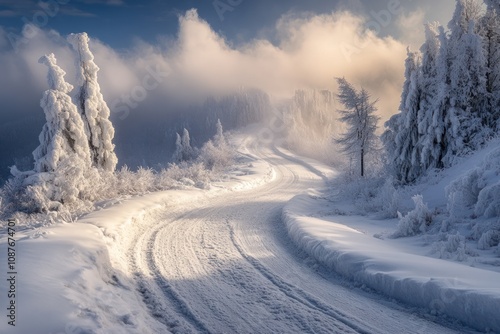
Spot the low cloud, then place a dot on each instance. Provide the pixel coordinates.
(311, 51)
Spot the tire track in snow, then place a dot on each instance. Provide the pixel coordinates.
(154, 286)
(181, 305)
(294, 292)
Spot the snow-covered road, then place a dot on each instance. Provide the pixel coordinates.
(224, 264)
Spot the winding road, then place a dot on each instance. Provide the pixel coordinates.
(224, 264)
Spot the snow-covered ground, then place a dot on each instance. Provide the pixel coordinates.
(441, 269)
(216, 260)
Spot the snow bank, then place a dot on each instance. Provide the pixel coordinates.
(469, 294)
(75, 277)
(65, 283)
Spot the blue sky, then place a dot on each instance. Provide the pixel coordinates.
(118, 22)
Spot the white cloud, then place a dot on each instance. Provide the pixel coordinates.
(312, 50)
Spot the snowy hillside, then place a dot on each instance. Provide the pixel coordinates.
(442, 254)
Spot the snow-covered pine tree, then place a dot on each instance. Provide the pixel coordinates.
(187, 150)
(361, 122)
(406, 156)
(430, 51)
(434, 143)
(466, 11)
(467, 113)
(94, 110)
(490, 32)
(183, 150)
(63, 155)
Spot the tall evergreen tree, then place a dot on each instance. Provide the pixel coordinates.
(177, 156)
(361, 122)
(183, 149)
(63, 155)
(467, 113)
(435, 144)
(429, 92)
(94, 110)
(490, 32)
(408, 148)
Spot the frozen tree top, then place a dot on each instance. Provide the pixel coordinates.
(80, 42)
(55, 75)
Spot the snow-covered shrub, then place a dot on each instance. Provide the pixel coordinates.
(216, 157)
(453, 247)
(488, 203)
(195, 172)
(479, 190)
(370, 195)
(463, 193)
(388, 200)
(489, 239)
(416, 221)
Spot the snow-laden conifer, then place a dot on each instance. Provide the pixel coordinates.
(361, 122)
(63, 155)
(94, 110)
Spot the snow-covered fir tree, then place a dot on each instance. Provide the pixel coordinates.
(187, 150)
(177, 156)
(359, 116)
(94, 110)
(183, 150)
(63, 155)
(434, 144)
(429, 92)
(490, 32)
(459, 96)
(405, 153)
(467, 113)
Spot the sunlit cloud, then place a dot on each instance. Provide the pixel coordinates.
(311, 51)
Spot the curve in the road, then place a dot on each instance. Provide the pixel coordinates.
(224, 265)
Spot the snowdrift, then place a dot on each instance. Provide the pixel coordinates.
(469, 294)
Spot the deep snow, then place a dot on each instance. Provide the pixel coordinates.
(213, 260)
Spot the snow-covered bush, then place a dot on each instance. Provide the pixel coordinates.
(489, 239)
(478, 190)
(453, 247)
(416, 221)
(215, 158)
(371, 195)
(488, 203)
